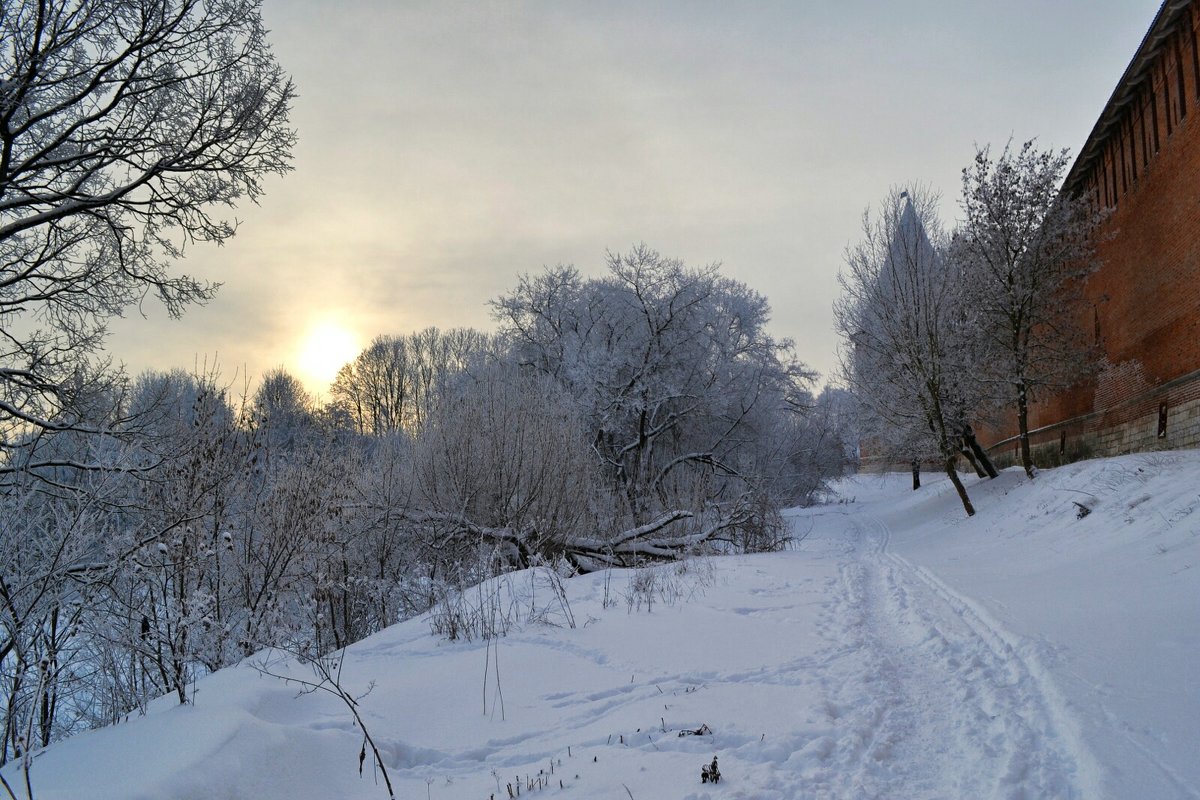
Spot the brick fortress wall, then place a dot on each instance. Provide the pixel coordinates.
(1142, 165)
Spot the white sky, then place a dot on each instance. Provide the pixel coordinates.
(446, 147)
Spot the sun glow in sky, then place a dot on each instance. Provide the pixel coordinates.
(324, 349)
(447, 147)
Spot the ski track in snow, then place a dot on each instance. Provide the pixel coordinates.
(940, 702)
(918, 693)
(922, 694)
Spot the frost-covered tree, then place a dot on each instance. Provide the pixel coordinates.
(284, 411)
(125, 128)
(394, 562)
(821, 444)
(394, 384)
(836, 412)
(170, 602)
(1027, 248)
(907, 338)
(52, 539)
(678, 382)
(506, 461)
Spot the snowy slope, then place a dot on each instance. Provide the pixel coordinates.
(1108, 606)
(898, 650)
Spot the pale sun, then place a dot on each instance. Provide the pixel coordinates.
(324, 350)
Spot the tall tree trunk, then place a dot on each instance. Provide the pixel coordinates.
(1023, 426)
(49, 686)
(962, 492)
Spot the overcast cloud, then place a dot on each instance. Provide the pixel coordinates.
(446, 148)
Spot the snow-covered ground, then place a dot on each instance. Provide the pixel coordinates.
(898, 650)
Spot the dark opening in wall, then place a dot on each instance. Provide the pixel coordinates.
(1195, 54)
(1179, 79)
(1154, 118)
(1162, 420)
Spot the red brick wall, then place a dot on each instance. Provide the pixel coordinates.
(1144, 301)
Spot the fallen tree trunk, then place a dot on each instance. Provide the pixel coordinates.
(654, 540)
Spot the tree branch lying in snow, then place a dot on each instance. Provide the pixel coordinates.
(624, 541)
(651, 540)
(589, 553)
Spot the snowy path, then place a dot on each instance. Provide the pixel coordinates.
(943, 702)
